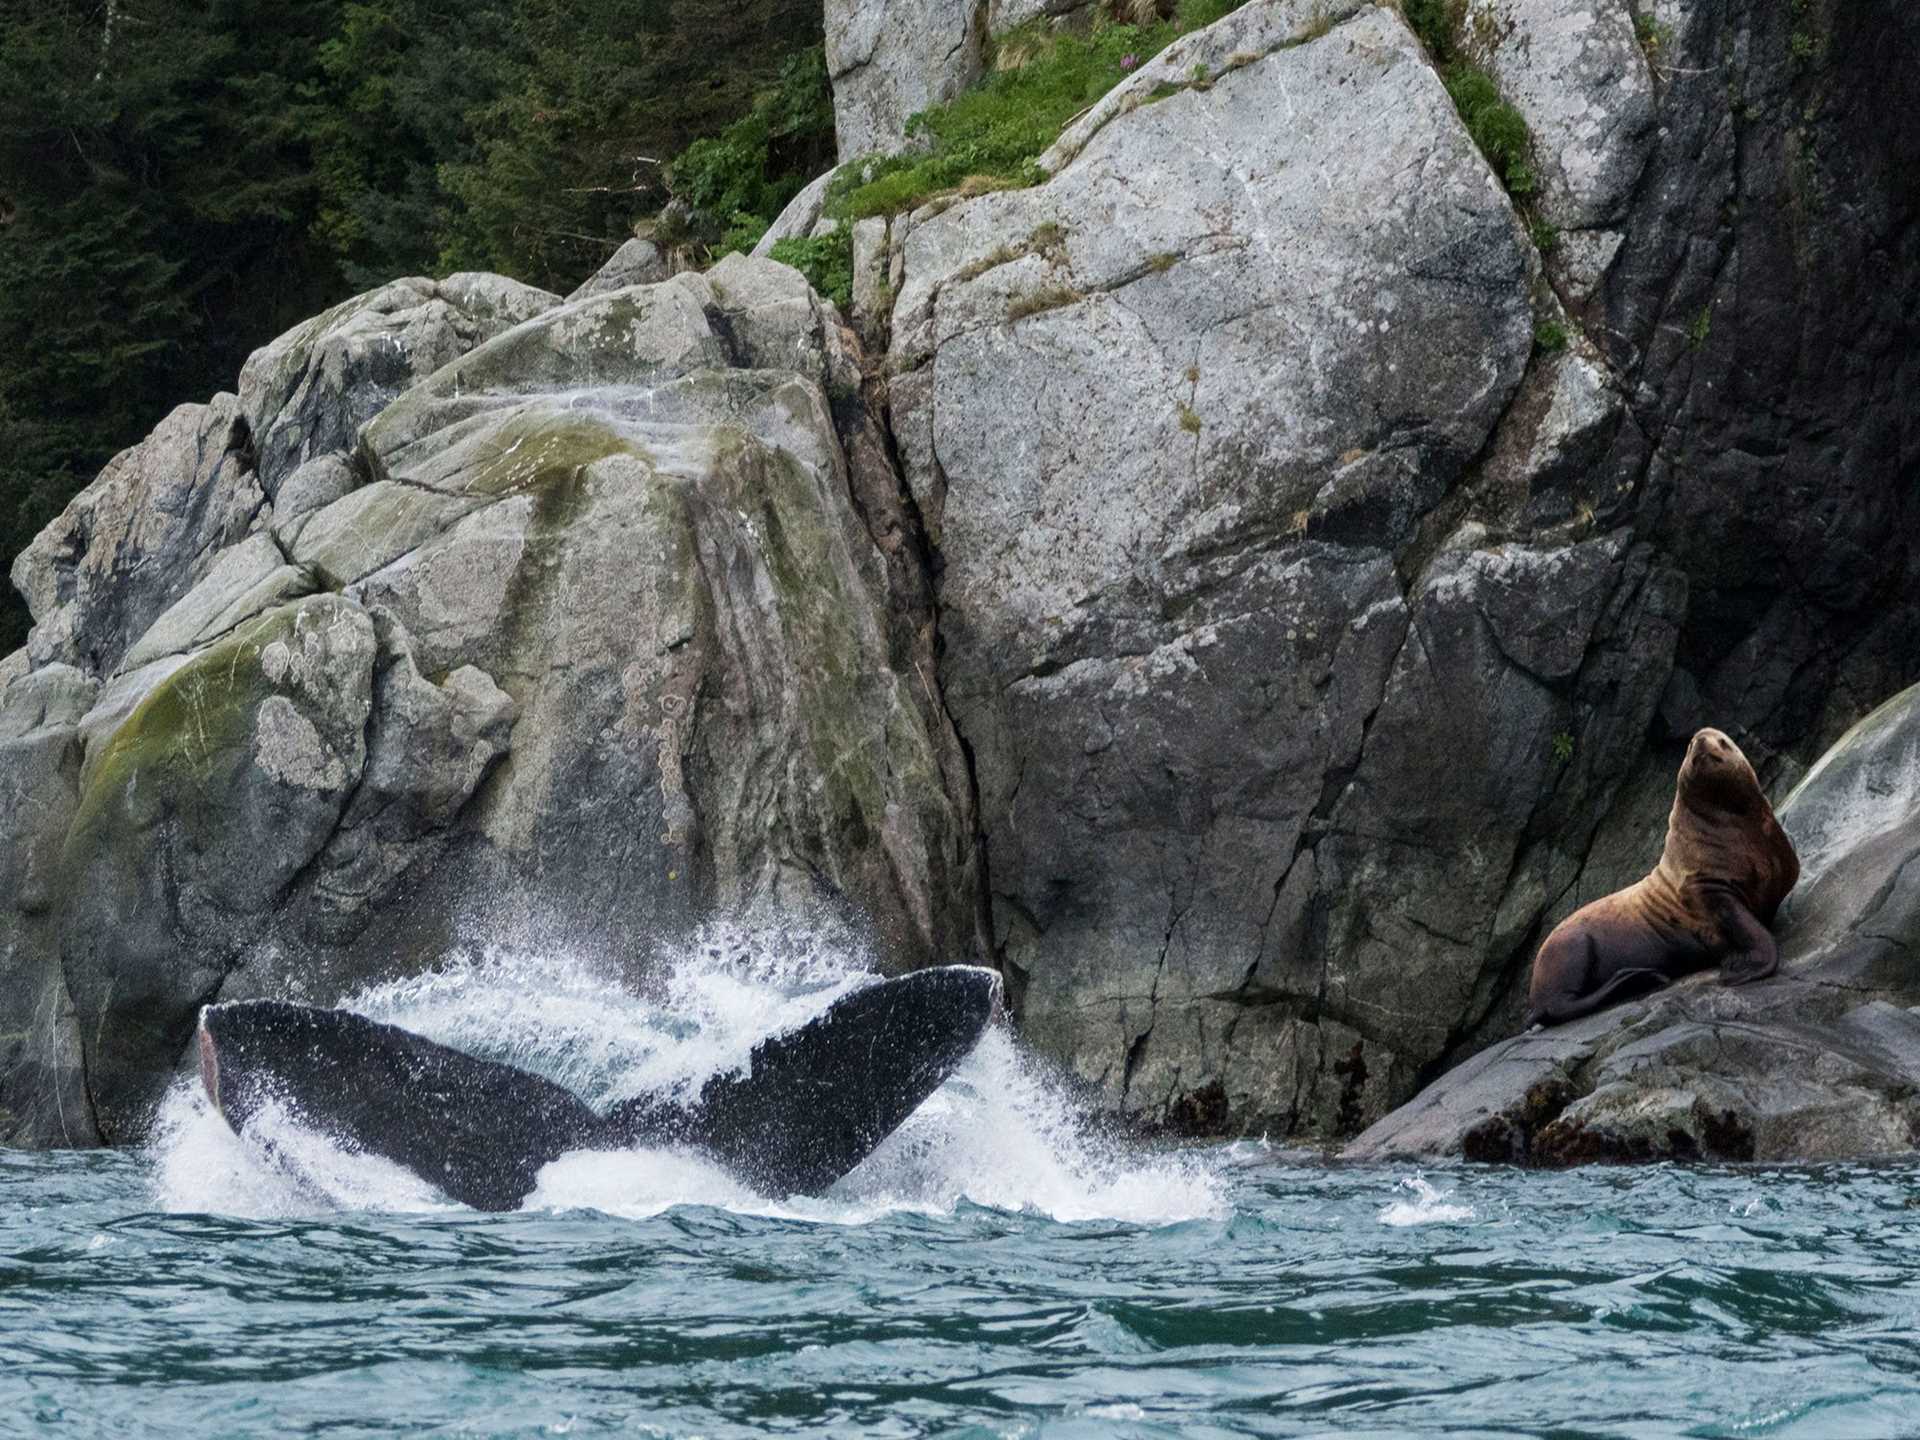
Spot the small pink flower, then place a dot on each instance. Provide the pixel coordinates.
(1128, 62)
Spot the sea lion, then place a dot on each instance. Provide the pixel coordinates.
(808, 1106)
(1725, 869)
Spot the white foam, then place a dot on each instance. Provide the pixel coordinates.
(1428, 1206)
(1001, 1133)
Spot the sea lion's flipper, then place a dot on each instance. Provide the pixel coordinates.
(814, 1103)
(477, 1129)
(1624, 986)
(1755, 954)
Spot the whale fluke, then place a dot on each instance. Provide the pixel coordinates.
(815, 1102)
(809, 1106)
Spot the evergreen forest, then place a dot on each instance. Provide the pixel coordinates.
(181, 180)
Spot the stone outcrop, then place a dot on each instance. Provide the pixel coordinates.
(1173, 467)
(616, 615)
(1268, 852)
(307, 394)
(139, 537)
(1579, 74)
(638, 262)
(889, 61)
(1264, 589)
(1820, 1063)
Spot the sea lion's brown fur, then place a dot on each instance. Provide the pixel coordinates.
(1725, 869)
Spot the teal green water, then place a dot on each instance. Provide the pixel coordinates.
(1307, 1300)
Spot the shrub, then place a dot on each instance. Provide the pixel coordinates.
(826, 261)
(737, 181)
(1496, 126)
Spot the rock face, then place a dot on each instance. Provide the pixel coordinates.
(617, 617)
(889, 60)
(1319, 637)
(1579, 74)
(1820, 1063)
(139, 537)
(42, 1093)
(1328, 559)
(638, 262)
(1170, 466)
(308, 393)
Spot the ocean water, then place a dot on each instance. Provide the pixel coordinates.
(998, 1268)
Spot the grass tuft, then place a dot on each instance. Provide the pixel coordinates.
(1047, 297)
(1000, 127)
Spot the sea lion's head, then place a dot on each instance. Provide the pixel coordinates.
(1716, 773)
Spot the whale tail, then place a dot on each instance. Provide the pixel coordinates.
(813, 1103)
(810, 1105)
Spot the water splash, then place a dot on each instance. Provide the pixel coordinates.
(1002, 1132)
(1427, 1207)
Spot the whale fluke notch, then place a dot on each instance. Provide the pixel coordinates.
(809, 1106)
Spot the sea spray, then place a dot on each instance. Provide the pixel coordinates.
(1003, 1132)
(1429, 1205)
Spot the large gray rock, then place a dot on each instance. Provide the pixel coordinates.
(194, 820)
(244, 580)
(1171, 417)
(645, 531)
(308, 392)
(139, 537)
(43, 1098)
(629, 624)
(1575, 71)
(637, 262)
(799, 217)
(1820, 1063)
(889, 59)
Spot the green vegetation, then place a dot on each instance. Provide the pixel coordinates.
(1496, 127)
(1459, 49)
(989, 137)
(1189, 420)
(826, 261)
(743, 177)
(1805, 43)
(1655, 38)
(1701, 327)
(1562, 747)
(1550, 336)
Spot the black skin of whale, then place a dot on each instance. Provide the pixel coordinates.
(810, 1105)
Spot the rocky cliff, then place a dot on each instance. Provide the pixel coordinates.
(1250, 582)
